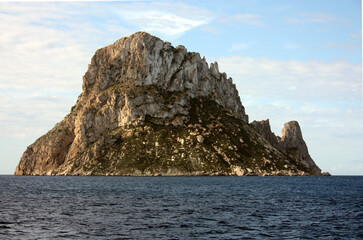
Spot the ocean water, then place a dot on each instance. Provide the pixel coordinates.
(181, 207)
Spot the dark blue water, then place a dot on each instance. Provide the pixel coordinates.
(181, 207)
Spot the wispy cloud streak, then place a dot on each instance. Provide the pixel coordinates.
(312, 18)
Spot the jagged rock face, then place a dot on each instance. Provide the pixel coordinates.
(291, 142)
(264, 129)
(140, 113)
(144, 60)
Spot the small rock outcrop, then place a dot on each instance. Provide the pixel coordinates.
(148, 108)
(291, 142)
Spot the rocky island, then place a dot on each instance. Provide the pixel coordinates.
(148, 108)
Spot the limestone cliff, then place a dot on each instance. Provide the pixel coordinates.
(148, 108)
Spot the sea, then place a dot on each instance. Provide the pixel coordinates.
(51, 207)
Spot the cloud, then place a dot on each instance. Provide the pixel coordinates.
(347, 169)
(315, 80)
(211, 29)
(346, 46)
(169, 20)
(25, 114)
(250, 19)
(237, 47)
(160, 22)
(291, 46)
(312, 18)
(357, 35)
(38, 55)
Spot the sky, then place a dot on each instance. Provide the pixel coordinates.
(290, 60)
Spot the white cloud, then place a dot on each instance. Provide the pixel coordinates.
(25, 114)
(211, 29)
(41, 67)
(312, 18)
(37, 56)
(250, 19)
(314, 80)
(291, 46)
(160, 22)
(237, 47)
(169, 20)
(347, 169)
(347, 46)
(357, 35)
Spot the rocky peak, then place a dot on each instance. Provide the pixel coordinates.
(291, 133)
(144, 60)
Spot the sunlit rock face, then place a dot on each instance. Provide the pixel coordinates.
(148, 108)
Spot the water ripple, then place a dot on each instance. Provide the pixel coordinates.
(181, 207)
